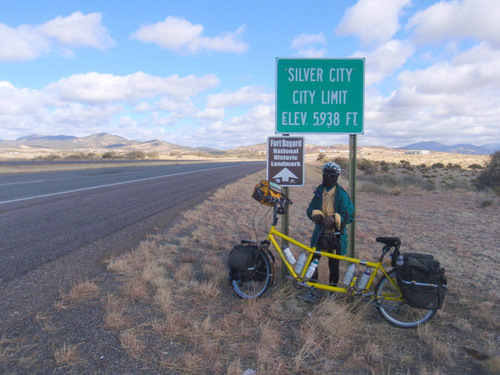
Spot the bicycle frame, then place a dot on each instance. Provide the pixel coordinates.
(385, 294)
(376, 267)
(312, 251)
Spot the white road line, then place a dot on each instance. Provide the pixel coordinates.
(108, 185)
(20, 183)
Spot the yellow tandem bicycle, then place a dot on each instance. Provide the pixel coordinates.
(384, 293)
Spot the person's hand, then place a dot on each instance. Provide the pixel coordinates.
(317, 218)
(328, 223)
(338, 221)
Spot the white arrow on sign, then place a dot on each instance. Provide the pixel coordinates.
(285, 174)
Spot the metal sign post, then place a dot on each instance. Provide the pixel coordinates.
(285, 166)
(353, 153)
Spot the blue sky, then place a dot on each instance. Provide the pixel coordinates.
(203, 73)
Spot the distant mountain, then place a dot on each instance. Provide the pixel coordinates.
(92, 142)
(107, 141)
(457, 149)
(492, 147)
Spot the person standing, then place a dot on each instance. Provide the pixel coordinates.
(330, 209)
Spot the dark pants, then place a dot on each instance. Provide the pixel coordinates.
(331, 245)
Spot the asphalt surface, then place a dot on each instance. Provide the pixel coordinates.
(60, 227)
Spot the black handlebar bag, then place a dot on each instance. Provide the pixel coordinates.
(422, 281)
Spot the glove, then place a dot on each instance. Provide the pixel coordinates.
(328, 223)
(318, 218)
(338, 221)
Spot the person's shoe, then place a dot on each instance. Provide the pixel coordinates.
(309, 296)
(332, 295)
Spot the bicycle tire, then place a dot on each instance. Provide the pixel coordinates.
(396, 311)
(258, 281)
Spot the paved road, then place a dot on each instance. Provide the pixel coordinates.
(57, 227)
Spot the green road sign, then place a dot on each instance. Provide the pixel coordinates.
(320, 95)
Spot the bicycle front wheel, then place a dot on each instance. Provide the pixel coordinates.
(391, 305)
(254, 283)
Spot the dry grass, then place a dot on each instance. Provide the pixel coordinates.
(172, 309)
(132, 343)
(79, 291)
(67, 355)
(185, 269)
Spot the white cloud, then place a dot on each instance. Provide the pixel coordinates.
(305, 40)
(178, 34)
(448, 101)
(311, 52)
(78, 30)
(476, 19)
(385, 60)
(474, 71)
(244, 95)
(21, 43)
(372, 20)
(211, 114)
(101, 88)
(305, 44)
(250, 128)
(15, 101)
(27, 42)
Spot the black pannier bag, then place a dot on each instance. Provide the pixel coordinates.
(422, 281)
(241, 261)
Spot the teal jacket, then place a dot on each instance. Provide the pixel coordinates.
(343, 205)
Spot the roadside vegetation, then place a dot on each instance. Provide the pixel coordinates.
(142, 155)
(167, 308)
(393, 177)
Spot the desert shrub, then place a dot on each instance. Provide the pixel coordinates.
(372, 187)
(453, 166)
(321, 156)
(384, 166)
(418, 182)
(490, 175)
(80, 156)
(135, 155)
(49, 157)
(110, 155)
(342, 162)
(437, 165)
(455, 184)
(367, 166)
(486, 203)
(475, 166)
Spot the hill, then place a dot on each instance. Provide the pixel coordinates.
(103, 142)
(456, 149)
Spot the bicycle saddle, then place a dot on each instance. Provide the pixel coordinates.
(389, 241)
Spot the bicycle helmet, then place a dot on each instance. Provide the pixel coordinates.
(332, 168)
(331, 172)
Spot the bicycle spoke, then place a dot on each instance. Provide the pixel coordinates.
(394, 309)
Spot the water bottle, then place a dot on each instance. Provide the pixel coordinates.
(289, 256)
(300, 264)
(312, 268)
(349, 274)
(400, 260)
(364, 279)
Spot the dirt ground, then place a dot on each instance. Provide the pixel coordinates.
(166, 308)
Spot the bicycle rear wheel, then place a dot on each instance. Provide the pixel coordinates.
(391, 305)
(254, 283)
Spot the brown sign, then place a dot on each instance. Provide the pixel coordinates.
(285, 160)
